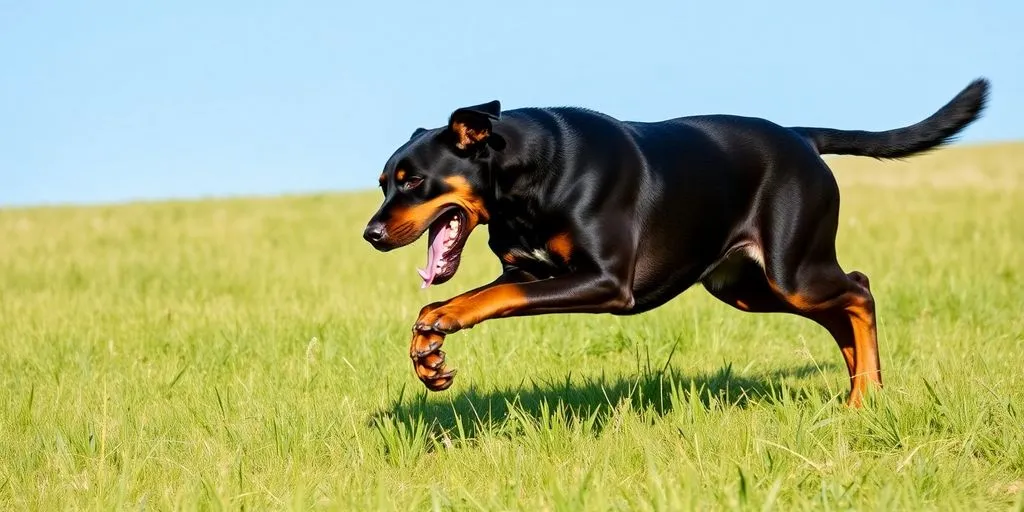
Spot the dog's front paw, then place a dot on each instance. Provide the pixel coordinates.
(428, 360)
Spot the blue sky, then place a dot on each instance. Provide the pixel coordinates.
(120, 101)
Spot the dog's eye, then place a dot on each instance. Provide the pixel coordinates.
(412, 182)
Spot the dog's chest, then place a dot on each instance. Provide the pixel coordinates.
(526, 247)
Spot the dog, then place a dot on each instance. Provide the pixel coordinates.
(590, 214)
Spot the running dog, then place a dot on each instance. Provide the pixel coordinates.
(590, 214)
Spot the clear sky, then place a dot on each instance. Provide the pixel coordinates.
(116, 101)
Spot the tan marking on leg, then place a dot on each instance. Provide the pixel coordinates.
(861, 352)
(466, 311)
(867, 370)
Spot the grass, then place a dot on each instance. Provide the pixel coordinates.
(252, 354)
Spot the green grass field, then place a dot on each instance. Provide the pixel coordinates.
(253, 354)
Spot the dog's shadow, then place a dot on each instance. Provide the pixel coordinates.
(659, 391)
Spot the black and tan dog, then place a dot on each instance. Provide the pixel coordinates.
(589, 214)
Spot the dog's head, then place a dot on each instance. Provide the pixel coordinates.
(437, 182)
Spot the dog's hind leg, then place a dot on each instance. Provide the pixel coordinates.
(844, 306)
(790, 266)
(841, 303)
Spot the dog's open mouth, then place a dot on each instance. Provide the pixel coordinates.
(446, 239)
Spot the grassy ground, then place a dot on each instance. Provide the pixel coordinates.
(253, 354)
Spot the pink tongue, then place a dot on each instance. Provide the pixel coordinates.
(434, 253)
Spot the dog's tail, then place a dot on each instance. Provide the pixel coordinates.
(939, 129)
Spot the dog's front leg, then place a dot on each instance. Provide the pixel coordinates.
(425, 350)
(512, 294)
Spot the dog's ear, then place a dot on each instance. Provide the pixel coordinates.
(472, 125)
(418, 132)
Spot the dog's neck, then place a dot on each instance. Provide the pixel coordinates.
(526, 159)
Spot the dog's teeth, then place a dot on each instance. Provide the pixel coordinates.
(452, 235)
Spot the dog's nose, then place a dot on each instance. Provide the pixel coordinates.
(374, 232)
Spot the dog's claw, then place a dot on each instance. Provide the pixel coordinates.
(440, 382)
(441, 385)
(422, 327)
(434, 361)
(435, 379)
(436, 327)
(424, 373)
(446, 375)
(434, 345)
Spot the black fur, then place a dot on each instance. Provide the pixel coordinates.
(590, 214)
